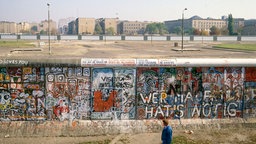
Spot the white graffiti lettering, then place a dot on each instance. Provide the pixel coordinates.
(13, 62)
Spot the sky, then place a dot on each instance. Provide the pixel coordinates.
(132, 10)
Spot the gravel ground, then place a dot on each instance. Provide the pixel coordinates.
(234, 135)
(124, 49)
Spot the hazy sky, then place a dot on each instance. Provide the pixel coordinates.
(140, 10)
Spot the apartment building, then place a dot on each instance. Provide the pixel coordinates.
(23, 27)
(132, 27)
(8, 27)
(43, 26)
(109, 25)
(63, 25)
(72, 28)
(85, 25)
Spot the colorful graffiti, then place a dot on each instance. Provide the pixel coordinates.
(22, 93)
(192, 92)
(68, 93)
(113, 93)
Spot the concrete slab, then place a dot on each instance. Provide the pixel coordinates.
(186, 49)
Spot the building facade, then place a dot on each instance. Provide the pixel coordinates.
(201, 24)
(249, 27)
(8, 27)
(132, 27)
(206, 24)
(85, 25)
(27, 28)
(109, 25)
(43, 27)
(23, 27)
(177, 24)
(72, 28)
(63, 25)
(238, 24)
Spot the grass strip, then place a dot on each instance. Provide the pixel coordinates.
(16, 44)
(246, 47)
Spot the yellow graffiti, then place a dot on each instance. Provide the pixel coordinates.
(7, 77)
(163, 95)
(1, 77)
(5, 106)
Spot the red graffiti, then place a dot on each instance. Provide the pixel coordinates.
(250, 74)
(60, 108)
(102, 106)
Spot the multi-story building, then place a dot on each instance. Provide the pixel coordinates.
(207, 24)
(23, 27)
(132, 27)
(250, 22)
(203, 24)
(238, 24)
(175, 24)
(249, 27)
(8, 27)
(72, 28)
(109, 25)
(19, 28)
(85, 25)
(63, 25)
(43, 26)
(195, 22)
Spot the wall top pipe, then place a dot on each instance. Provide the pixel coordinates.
(104, 62)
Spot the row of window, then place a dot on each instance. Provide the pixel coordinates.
(132, 28)
(207, 26)
(139, 25)
(210, 23)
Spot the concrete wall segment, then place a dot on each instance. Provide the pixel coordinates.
(68, 93)
(114, 127)
(60, 100)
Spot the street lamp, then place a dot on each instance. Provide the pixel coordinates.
(49, 39)
(182, 29)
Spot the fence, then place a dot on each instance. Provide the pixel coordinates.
(128, 38)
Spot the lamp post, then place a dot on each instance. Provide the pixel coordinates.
(49, 39)
(182, 29)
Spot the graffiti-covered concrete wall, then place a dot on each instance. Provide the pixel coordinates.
(130, 93)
